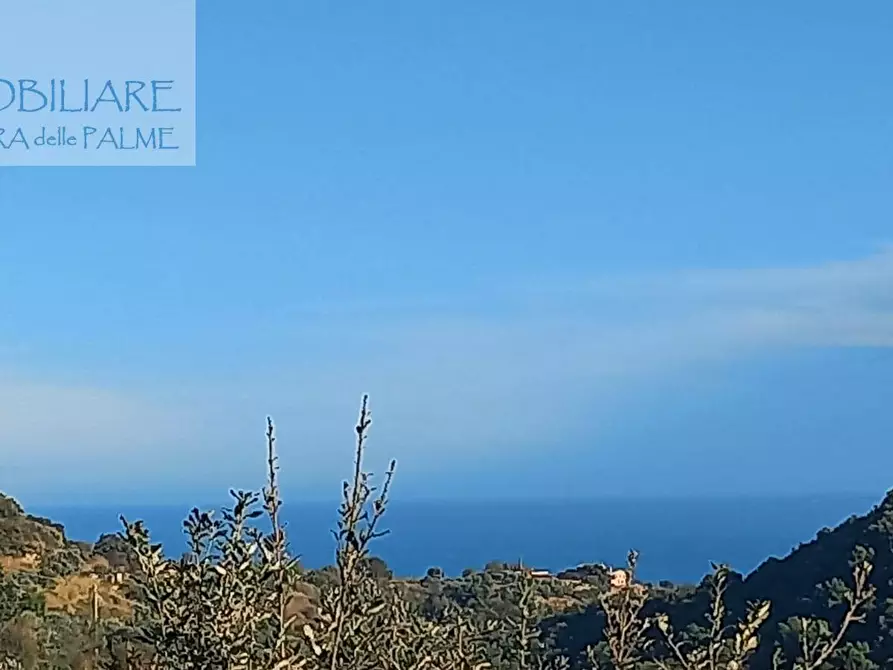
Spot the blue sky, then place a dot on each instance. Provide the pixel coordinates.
(569, 248)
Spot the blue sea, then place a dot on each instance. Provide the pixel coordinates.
(677, 539)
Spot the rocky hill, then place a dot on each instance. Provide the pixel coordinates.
(23, 535)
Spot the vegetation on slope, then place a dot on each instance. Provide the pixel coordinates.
(240, 599)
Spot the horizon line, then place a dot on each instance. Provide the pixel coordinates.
(496, 500)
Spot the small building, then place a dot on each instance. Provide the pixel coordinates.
(115, 577)
(619, 579)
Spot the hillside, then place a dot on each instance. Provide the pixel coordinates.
(792, 584)
(70, 584)
(43, 570)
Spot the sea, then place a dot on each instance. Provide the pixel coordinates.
(677, 539)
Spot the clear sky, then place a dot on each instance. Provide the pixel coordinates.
(569, 248)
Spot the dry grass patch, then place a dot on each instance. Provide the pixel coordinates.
(26, 563)
(74, 595)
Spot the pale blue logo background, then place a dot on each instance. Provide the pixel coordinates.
(98, 82)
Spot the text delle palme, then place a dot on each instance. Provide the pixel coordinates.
(89, 137)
